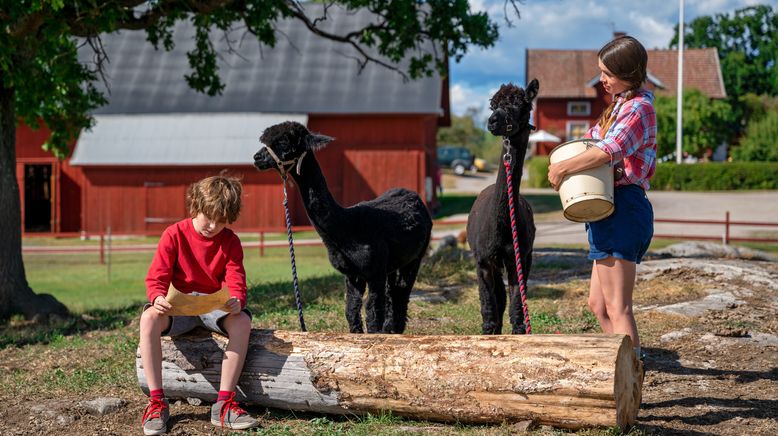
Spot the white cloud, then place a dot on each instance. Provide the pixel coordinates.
(464, 97)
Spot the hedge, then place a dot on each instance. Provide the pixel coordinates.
(715, 176)
(537, 172)
(710, 176)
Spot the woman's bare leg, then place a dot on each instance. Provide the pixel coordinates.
(617, 281)
(597, 302)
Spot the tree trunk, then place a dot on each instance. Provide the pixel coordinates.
(569, 381)
(16, 297)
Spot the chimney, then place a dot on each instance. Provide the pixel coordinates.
(618, 34)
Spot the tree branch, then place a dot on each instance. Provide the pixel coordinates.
(297, 12)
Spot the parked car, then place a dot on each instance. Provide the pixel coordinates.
(458, 159)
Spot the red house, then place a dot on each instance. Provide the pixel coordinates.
(156, 135)
(571, 97)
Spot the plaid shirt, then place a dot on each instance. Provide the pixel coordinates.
(631, 138)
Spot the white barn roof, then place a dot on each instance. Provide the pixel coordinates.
(175, 139)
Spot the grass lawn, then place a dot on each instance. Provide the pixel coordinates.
(82, 283)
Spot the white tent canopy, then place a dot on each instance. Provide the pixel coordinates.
(175, 138)
(543, 136)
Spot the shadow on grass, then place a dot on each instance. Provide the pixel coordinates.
(453, 204)
(20, 333)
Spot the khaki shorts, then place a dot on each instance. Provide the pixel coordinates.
(211, 321)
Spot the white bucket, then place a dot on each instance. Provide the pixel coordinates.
(586, 195)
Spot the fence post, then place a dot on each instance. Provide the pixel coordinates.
(262, 243)
(109, 254)
(102, 249)
(726, 228)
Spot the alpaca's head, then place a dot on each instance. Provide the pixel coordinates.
(511, 107)
(288, 141)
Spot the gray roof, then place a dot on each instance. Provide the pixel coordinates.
(175, 139)
(303, 73)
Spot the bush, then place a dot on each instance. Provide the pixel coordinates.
(761, 140)
(537, 172)
(715, 176)
(710, 176)
(706, 123)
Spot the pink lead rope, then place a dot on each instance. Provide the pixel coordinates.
(514, 229)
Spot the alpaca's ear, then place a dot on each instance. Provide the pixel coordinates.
(317, 141)
(532, 90)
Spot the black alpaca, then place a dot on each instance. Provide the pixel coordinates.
(378, 243)
(489, 226)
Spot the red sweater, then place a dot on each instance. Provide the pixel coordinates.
(194, 263)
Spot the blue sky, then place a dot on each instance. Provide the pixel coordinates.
(566, 24)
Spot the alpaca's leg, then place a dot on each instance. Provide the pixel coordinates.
(389, 292)
(486, 278)
(375, 307)
(500, 301)
(516, 308)
(402, 294)
(355, 289)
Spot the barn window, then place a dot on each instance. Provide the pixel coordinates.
(576, 129)
(579, 108)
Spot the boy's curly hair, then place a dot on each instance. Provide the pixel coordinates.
(216, 197)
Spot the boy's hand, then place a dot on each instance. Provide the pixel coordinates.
(232, 305)
(161, 305)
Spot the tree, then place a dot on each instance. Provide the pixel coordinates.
(706, 123)
(42, 82)
(747, 43)
(760, 142)
(465, 132)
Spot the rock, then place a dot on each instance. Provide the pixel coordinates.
(522, 426)
(44, 410)
(194, 401)
(667, 337)
(731, 333)
(103, 405)
(64, 420)
(713, 250)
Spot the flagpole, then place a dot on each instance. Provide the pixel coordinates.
(679, 97)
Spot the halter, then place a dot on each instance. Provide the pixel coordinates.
(282, 164)
(506, 142)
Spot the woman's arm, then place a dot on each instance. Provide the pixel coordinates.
(591, 158)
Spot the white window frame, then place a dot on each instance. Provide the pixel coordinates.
(569, 127)
(587, 104)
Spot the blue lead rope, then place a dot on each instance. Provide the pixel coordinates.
(297, 296)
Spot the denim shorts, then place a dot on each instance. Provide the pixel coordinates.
(211, 321)
(627, 233)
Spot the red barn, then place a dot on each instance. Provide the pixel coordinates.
(571, 97)
(156, 135)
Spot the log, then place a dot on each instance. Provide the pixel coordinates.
(567, 381)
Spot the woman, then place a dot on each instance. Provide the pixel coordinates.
(626, 134)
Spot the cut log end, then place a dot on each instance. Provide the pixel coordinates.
(628, 384)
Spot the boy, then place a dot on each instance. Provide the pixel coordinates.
(199, 255)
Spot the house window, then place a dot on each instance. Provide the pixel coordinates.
(579, 108)
(576, 129)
